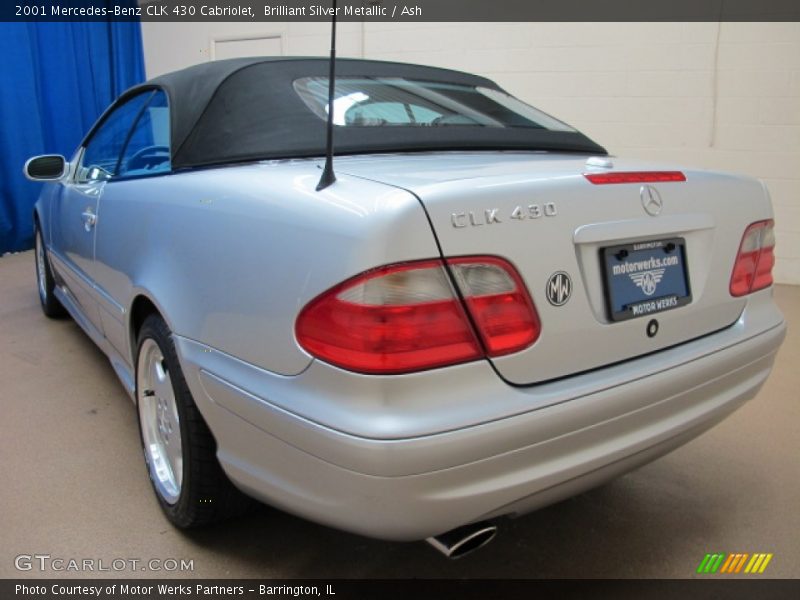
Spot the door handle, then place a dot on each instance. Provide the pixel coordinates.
(89, 218)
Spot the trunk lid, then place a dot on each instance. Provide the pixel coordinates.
(538, 211)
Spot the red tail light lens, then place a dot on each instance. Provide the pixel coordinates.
(752, 270)
(407, 317)
(499, 304)
(634, 177)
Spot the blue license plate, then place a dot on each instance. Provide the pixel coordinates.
(645, 278)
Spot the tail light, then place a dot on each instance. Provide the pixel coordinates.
(407, 317)
(753, 268)
(498, 302)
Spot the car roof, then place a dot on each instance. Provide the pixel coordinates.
(246, 109)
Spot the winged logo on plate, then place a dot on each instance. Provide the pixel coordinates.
(648, 280)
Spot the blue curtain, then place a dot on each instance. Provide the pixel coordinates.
(57, 78)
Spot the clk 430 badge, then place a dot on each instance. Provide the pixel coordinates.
(492, 216)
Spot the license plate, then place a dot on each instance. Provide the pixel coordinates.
(645, 278)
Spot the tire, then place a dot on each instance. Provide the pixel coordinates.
(45, 282)
(179, 450)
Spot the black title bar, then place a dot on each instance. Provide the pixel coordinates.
(713, 587)
(401, 11)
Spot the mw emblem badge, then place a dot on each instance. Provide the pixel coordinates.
(648, 280)
(559, 288)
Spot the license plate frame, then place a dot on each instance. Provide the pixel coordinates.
(633, 275)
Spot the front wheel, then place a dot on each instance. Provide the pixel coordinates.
(179, 450)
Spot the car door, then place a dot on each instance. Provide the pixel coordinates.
(124, 210)
(75, 209)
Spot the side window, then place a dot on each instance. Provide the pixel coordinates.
(133, 140)
(99, 161)
(147, 151)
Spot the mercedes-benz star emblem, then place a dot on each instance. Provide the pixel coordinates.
(559, 288)
(651, 200)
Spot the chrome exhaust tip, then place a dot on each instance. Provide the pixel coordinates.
(463, 540)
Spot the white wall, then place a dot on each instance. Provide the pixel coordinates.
(702, 94)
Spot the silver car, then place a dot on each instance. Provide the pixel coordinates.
(483, 314)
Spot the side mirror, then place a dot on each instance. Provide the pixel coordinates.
(49, 167)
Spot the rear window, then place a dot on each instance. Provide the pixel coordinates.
(399, 102)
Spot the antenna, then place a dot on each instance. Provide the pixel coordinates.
(328, 176)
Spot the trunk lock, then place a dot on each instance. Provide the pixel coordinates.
(652, 328)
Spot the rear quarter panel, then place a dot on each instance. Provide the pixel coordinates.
(231, 255)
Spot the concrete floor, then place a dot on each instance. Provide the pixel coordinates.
(74, 486)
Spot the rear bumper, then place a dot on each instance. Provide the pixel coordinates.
(566, 435)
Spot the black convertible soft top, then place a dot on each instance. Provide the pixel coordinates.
(246, 109)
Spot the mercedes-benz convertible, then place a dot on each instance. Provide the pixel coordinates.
(481, 314)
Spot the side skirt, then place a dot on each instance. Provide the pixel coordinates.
(117, 362)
